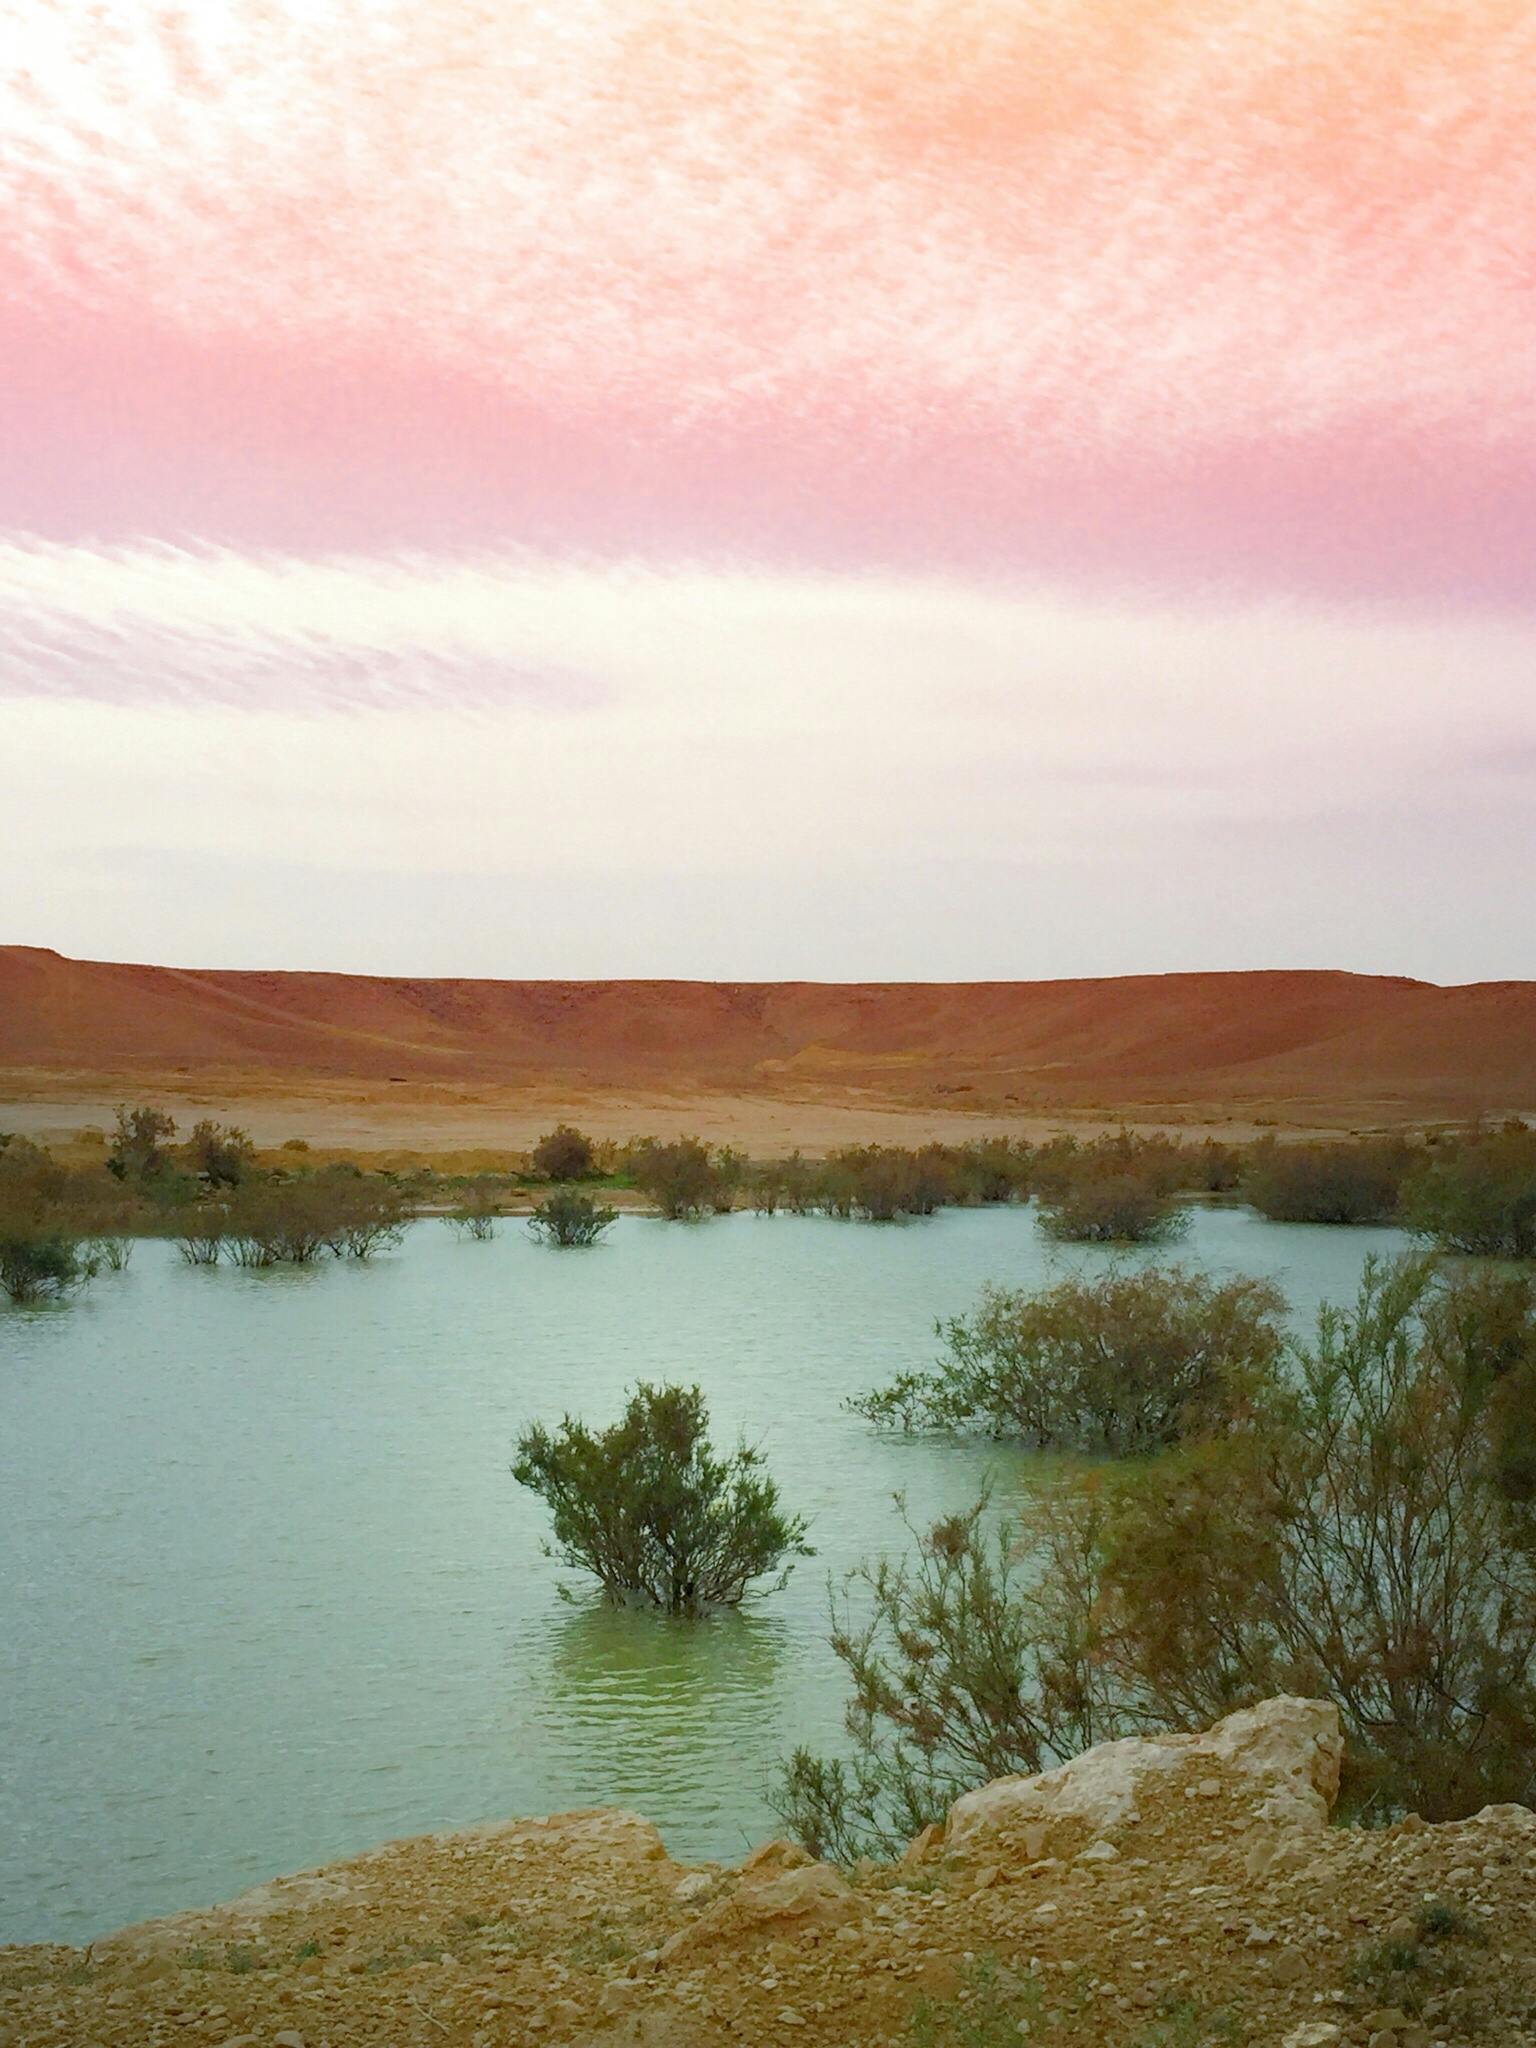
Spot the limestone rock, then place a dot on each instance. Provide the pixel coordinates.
(786, 1906)
(1284, 1755)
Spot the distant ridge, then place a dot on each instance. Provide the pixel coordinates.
(1407, 1047)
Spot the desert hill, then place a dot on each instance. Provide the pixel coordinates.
(1177, 1890)
(1320, 1043)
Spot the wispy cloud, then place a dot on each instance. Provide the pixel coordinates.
(1202, 292)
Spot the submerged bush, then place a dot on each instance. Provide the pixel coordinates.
(681, 1177)
(1327, 1183)
(1370, 1538)
(202, 1234)
(1478, 1197)
(648, 1508)
(569, 1220)
(39, 1263)
(1097, 1201)
(476, 1215)
(297, 1222)
(1127, 1362)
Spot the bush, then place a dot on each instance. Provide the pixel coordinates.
(219, 1154)
(1100, 1202)
(563, 1154)
(649, 1509)
(679, 1177)
(1327, 1183)
(1479, 1196)
(139, 1141)
(476, 1215)
(963, 1659)
(295, 1223)
(992, 1170)
(202, 1235)
(40, 1264)
(1360, 1542)
(1126, 1362)
(569, 1220)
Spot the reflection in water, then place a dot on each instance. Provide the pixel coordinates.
(662, 1712)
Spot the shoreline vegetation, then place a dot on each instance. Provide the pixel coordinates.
(1470, 1191)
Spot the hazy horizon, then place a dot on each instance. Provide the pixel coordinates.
(914, 489)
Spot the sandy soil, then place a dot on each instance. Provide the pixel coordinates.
(443, 1128)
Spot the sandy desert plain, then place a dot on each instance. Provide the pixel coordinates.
(447, 1070)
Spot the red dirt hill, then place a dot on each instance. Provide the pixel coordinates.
(1375, 1043)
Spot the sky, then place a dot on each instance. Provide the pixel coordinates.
(751, 489)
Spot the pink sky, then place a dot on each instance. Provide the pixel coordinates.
(999, 452)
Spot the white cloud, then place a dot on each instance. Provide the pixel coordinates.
(359, 712)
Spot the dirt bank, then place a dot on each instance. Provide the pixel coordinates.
(1158, 1894)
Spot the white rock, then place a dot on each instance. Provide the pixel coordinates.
(1313, 2034)
(1289, 1749)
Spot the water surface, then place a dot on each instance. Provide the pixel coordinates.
(268, 1593)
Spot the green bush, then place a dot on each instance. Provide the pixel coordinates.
(40, 1264)
(681, 1178)
(1478, 1197)
(1097, 1201)
(649, 1509)
(569, 1220)
(1359, 1541)
(476, 1215)
(139, 1141)
(1127, 1362)
(1327, 1183)
(219, 1154)
(563, 1154)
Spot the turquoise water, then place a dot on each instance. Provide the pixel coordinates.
(268, 1593)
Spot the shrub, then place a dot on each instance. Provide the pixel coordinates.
(1126, 1362)
(563, 1154)
(139, 1141)
(1479, 1196)
(272, 1222)
(202, 1235)
(1327, 1183)
(39, 1264)
(965, 1664)
(1360, 1542)
(649, 1509)
(220, 1154)
(992, 1170)
(679, 1177)
(107, 1252)
(1099, 1203)
(476, 1215)
(569, 1220)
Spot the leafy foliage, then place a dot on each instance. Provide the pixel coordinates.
(1327, 1183)
(139, 1143)
(651, 1511)
(1368, 1535)
(568, 1220)
(1478, 1197)
(1126, 1362)
(563, 1154)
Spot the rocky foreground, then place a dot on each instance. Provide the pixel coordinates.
(1163, 1893)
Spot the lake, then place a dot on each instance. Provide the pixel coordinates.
(269, 1594)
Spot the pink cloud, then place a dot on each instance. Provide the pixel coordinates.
(1147, 293)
